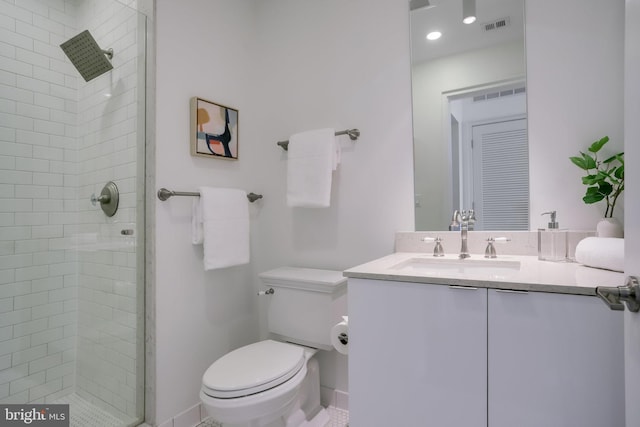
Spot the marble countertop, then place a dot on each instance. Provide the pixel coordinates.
(515, 272)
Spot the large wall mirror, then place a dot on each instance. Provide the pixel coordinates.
(470, 113)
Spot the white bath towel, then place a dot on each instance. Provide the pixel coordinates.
(601, 252)
(225, 227)
(312, 158)
(197, 233)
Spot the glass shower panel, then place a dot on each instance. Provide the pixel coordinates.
(71, 278)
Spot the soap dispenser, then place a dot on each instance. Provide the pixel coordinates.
(552, 242)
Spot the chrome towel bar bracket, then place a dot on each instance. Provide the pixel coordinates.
(354, 134)
(164, 194)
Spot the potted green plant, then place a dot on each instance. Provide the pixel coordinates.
(604, 181)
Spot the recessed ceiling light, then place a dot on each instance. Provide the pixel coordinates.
(434, 35)
(468, 11)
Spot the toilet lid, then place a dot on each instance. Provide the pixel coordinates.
(252, 369)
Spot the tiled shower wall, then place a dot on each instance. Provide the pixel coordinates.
(63, 263)
(38, 152)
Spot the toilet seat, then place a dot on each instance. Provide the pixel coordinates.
(252, 369)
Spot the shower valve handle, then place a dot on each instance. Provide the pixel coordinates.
(104, 198)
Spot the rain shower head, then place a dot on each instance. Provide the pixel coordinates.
(88, 58)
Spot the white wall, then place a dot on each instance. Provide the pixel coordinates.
(632, 207)
(431, 80)
(343, 65)
(287, 66)
(204, 48)
(575, 96)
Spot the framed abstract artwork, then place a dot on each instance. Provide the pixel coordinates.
(214, 130)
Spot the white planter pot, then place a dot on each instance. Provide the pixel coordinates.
(609, 227)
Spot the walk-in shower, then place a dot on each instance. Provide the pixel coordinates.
(72, 277)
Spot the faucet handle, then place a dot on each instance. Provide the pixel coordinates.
(490, 252)
(438, 251)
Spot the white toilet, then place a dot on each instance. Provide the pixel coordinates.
(276, 382)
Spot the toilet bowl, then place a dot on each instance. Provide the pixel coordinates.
(276, 383)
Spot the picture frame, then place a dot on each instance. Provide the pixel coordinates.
(214, 130)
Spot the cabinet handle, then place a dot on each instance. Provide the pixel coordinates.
(511, 291)
(469, 288)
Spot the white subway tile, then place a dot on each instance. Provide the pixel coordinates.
(31, 165)
(63, 319)
(6, 247)
(60, 371)
(34, 85)
(8, 78)
(64, 117)
(14, 345)
(32, 32)
(5, 363)
(45, 363)
(16, 94)
(49, 257)
(47, 284)
(32, 111)
(30, 273)
(62, 18)
(6, 304)
(16, 372)
(28, 328)
(41, 391)
(31, 192)
(49, 127)
(15, 39)
(31, 57)
(48, 310)
(47, 231)
(34, 218)
(34, 6)
(64, 293)
(15, 261)
(48, 101)
(7, 162)
(19, 122)
(15, 149)
(31, 246)
(7, 50)
(21, 358)
(16, 12)
(50, 153)
(31, 300)
(15, 205)
(49, 76)
(48, 205)
(49, 25)
(47, 179)
(13, 318)
(13, 288)
(15, 233)
(46, 336)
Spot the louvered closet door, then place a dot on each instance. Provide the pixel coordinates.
(501, 175)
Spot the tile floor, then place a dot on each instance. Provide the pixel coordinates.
(339, 418)
(86, 414)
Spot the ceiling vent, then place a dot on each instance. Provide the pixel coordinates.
(496, 24)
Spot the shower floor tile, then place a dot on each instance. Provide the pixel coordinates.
(86, 414)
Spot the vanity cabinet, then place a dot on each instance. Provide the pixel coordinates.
(417, 355)
(435, 355)
(554, 360)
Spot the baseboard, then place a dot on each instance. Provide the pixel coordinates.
(332, 397)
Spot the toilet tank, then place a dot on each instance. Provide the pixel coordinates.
(305, 304)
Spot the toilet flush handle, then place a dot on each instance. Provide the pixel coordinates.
(269, 291)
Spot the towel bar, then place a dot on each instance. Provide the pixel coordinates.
(164, 194)
(353, 134)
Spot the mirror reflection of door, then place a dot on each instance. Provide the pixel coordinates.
(489, 154)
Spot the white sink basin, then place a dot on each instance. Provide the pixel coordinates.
(438, 266)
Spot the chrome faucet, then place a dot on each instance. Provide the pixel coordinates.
(466, 219)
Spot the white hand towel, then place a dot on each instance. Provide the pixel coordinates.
(601, 252)
(197, 233)
(312, 157)
(225, 220)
